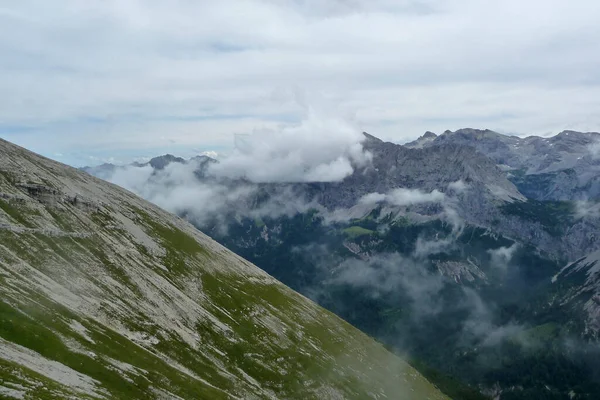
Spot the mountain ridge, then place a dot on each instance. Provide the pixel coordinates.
(562, 167)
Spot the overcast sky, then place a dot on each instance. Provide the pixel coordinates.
(85, 81)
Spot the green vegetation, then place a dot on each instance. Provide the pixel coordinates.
(37, 328)
(38, 387)
(179, 246)
(15, 213)
(449, 385)
(357, 231)
(554, 216)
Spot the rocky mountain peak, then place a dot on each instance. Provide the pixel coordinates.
(162, 161)
(371, 139)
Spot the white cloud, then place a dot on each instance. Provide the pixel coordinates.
(123, 73)
(321, 148)
(501, 257)
(210, 153)
(176, 188)
(404, 197)
(459, 186)
(595, 150)
(373, 198)
(587, 209)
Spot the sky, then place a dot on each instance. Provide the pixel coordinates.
(89, 81)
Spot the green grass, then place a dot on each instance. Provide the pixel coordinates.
(297, 356)
(357, 231)
(15, 213)
(541, 333)
(37, 386)
(179, 246)
(37, 328)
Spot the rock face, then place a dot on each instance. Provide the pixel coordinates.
(434, 168)
(580, 284)
(562, 167)
(103, 295)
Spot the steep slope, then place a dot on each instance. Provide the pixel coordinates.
(103, 295)
(578, 291)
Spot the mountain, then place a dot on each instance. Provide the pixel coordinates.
(422, 141)
(427, 169)
(434, 249)
(104, 295)
(562, 167)
(107, 170)
(162, 161)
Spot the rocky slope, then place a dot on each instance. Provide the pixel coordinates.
(578, 289)
(103, 295)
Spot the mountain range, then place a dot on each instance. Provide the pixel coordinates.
(472, 253)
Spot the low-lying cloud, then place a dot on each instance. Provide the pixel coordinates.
(388, 273)
(458, 187)
(587, 209)
(501, 257)
(595, 150)
(321, 148)
(403, 197)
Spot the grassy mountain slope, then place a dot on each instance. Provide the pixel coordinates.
(103, 295)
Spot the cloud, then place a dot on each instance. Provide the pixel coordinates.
(501, 257)
(395, 279)
(389, 273)
(587, 209)
(595, 150)
(117, 75)
(178, 189)
(424, 247)
(458, 187)
(210, 153)
(403, 197)
(321, 148)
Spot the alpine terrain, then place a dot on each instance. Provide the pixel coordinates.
(473, 253)
(104, 295)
